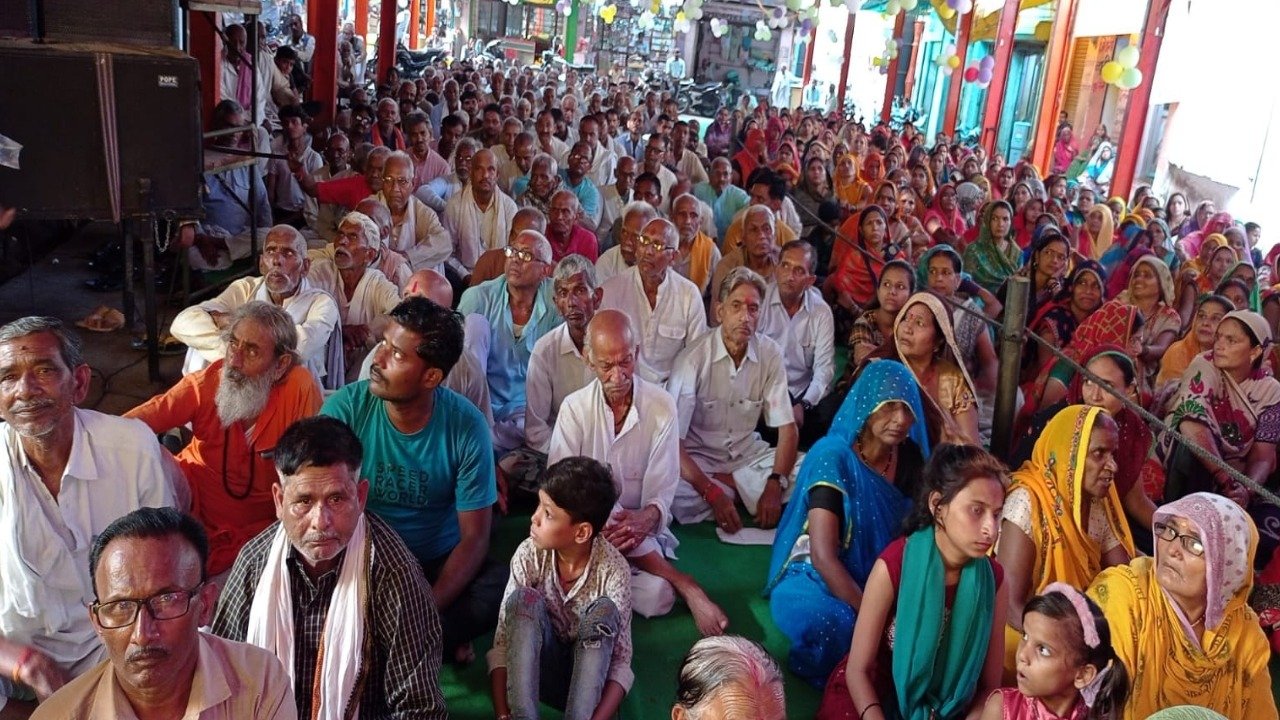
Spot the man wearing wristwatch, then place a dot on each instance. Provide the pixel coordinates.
(724, 383)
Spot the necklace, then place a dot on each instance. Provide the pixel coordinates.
(888, 461)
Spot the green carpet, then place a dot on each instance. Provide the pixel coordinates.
(732, 575)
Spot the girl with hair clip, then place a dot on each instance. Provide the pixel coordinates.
(1067, 669)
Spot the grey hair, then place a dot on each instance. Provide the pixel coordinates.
(68, 341)
(298, 240)
(756, 209)
(691, 197)
(372, 235)
(571, 265)
(546, 158)
(741, 275)
(639, 206)
(398, 156)
(572, 195)
(541, 245)
(470, 142)
(284, 334)
(716, 662)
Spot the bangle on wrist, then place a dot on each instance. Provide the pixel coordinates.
(712, 493)
(22, 660)
(866, 709)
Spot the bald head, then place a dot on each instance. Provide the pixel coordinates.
(610, 327)
(527, 219)
(610, 346)
(430, 285)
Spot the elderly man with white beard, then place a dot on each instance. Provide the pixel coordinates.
(364, 295)
(237, 409)
(283, 264)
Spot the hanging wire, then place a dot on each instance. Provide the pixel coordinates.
(1155, 423)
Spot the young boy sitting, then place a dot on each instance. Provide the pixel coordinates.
(564, 630)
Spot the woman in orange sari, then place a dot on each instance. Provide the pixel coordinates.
(859, 256)
(1202, 273)
(851, 191)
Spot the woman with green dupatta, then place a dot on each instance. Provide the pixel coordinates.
(928, 642)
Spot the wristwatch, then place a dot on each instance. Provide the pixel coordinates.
(784, 482)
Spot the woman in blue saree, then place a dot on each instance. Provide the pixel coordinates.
(850, 500)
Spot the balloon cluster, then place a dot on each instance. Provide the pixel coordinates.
(646, 20)
(980, 72)
(564, 7)
(608, 13)
(948, 60)
(763, 33)
(893, 7)
(951, 8)
(890, 52)
(1122, 71)
(719, 27)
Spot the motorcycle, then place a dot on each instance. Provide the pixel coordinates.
(706, 98)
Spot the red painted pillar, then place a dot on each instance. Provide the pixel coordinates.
(808, 56)
(908, 87)
(204, 44)
(413, 23)
(431, 18)
(891, 79)
(1135, 116)
(1055, 82)
(324, 64)
(999, 75)
(957, 77)
(844, 66)
(362, 18)
(386, 40)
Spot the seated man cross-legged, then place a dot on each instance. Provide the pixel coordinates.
(724, 383)
(631, 424)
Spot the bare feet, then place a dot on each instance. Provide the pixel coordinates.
(708, 616)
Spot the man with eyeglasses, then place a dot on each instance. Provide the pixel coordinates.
(796, 317)
(520, 308)
(237, 409)
(67, 473)
(416, 231)
(332, 591)
(147, 571)
(284, 265)
(666, 307)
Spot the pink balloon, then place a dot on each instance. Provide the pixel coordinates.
(970, 74)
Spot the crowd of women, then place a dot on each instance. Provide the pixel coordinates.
(1101, 569)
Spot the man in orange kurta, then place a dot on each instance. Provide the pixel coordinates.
(229, 466)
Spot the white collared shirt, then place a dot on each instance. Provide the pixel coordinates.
(115, 467)
(807, 340)
(556, 371)
(676, 319)
(720, 404)
(644, 455)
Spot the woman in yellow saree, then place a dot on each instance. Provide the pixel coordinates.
(1063, 520)
(1180, 621)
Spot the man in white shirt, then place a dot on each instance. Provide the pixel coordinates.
(613, 198)
(416, 231)
(655, 150)
(284, 265)
(523, 151)
(289, 203)
(547, 141)
(724, 384)
(66, 474)
(622, 257)
(479, 217)
(632, 425)
(323, 218)
(796, 317)
(602, 158)
(666, 308)
(686, 161)
(698, 254)
(364, 295)
(391, 263)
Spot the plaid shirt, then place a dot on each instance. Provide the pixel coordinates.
(403, 679)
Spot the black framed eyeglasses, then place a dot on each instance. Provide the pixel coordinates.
(1168, 533)
(164, 606)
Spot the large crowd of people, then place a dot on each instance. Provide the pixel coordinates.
(498, 289)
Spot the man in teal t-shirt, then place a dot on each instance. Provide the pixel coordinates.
(429, 462)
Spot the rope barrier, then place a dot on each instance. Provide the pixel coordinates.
(1155, 423)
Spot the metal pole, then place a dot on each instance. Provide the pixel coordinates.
(1015, 324)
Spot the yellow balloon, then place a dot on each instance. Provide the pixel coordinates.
(953, 62)
(1111, 72)
(946, 13)
(875, 62)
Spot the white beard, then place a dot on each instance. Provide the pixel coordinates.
(240, 397)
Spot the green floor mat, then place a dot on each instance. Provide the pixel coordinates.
(731, 574)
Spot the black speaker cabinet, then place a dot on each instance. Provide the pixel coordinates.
(131, 22)
(49, 103)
